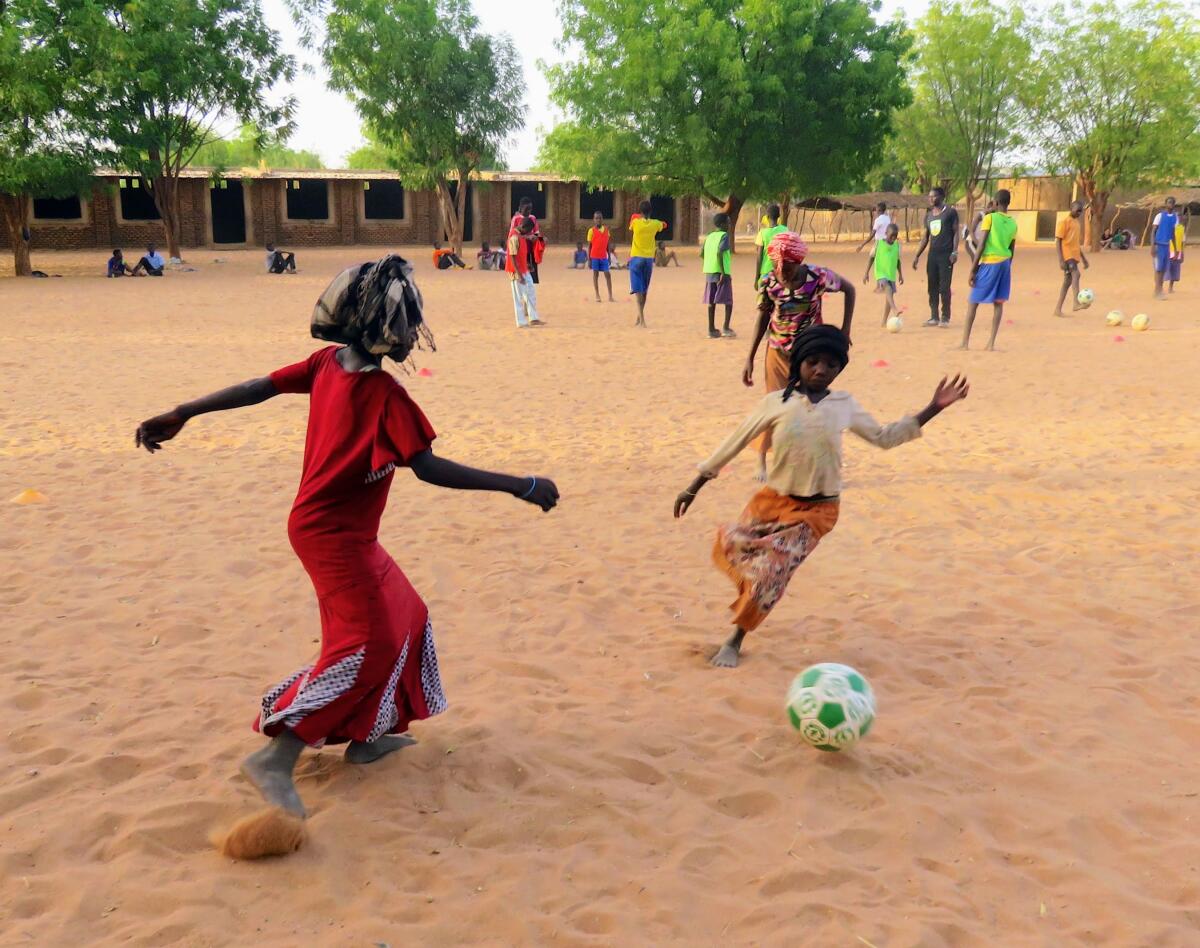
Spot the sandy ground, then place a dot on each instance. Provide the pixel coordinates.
(1019, 586)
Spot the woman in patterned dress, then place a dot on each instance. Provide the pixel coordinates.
(377, 668)
(789, 301)
(787, 517)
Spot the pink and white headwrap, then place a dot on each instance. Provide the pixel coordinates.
(788, 247)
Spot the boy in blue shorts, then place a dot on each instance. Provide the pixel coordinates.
(599, 249)
(644, 230)
(885, 261)
(991, 275)
(1160, 248)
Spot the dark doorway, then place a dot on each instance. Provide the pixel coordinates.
(228, 212)
(469, 212)
(1046, 224)
(663, 209)
(536, 191)
(383, 200)
(307, 200)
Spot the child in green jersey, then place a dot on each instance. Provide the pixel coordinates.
(885, 259)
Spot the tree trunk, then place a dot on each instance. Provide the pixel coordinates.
(16, 212)
(1097, 203)
(732, 207)
(451, 222)
(165, 191)
(464, 185)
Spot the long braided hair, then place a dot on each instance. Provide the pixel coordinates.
(810, 341)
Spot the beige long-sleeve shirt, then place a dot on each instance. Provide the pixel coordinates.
(807, 440)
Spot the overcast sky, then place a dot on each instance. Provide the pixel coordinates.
(328, 125)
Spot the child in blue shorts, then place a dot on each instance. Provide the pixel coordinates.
(599, 242)
(991, 275)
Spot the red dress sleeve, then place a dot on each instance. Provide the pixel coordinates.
(297, 379)
(404, 431)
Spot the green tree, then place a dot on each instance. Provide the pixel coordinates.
(252, 147)
(970, 63)
(170, 71)
(438, 97)
(731, 100)
(46, 145)
(368, 157)
(1118, 106)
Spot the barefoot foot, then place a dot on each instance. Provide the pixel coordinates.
(365, 752)
(273, 779)
(727, 657)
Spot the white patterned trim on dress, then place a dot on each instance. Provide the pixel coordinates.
(316, 693)
(269, 699)
(387, 715)
(381, 473)
(431, 679)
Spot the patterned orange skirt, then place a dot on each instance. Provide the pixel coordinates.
(775, 534)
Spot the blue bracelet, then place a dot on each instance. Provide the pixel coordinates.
(525, 496)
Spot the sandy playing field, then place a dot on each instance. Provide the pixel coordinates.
(1019, 586)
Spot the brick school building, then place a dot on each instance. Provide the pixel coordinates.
(310, 208)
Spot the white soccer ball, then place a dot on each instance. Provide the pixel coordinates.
(1085, 298)
(894, 324)
(1114, 318)
(1140, 322)
(831, 705)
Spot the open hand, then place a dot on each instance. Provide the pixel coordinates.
(949, 392)
(153, 431)
(544, 494)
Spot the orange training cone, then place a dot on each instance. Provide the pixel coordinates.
(30, 496)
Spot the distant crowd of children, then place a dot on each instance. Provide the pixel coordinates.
(990, 240)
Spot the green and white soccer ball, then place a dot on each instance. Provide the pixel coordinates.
(1085, 298)
(831, 705)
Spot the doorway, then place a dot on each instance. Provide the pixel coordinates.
(228, 204)
(662, 208)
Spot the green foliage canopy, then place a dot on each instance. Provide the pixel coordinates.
(728, 99)
(969, 67)
(1115, 96)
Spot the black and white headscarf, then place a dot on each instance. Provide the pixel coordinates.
(376, 306)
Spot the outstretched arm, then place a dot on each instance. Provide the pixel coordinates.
(153, 431)
(441, 472)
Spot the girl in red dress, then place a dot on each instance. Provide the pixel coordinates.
(377, 669)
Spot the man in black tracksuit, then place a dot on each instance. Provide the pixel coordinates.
(941, 236)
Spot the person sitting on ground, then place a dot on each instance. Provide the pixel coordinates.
(579, 260)
(152, 263)
(1116, 240)
(663, 256)
(487, 257)
(444, 259)
(280, 261)
(117, 267)
(614, 260)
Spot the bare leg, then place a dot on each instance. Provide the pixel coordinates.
(365, 752)
(1062, 294)
(596, 284)
(1158, 282)
(1075, 288)
(641, 305)
(608, 280)
(727, 655)
(270, 770)
(727, 331)
(889, 303)
(997, 315)
(970, 321)
(712, 322)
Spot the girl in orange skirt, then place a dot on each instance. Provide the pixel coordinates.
(786, 519)
(789, 301)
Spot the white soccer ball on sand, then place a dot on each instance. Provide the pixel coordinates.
(1114, 318)
(1140, 322)
(1084, 298)
(831, 705)
(895, 324)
